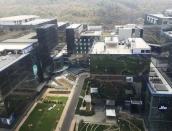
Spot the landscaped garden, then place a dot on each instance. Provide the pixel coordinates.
(45, 115)
(123, 125)
(95, 127)
(81, 103)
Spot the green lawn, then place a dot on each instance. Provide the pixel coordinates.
(42, 119)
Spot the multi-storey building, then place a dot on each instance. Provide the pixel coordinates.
(24, 22)
(48, 40)
(154, 27)
(121, 62)
(120, 58)
(20, 77)
(72, 33)
(158, 102)
(81, 38)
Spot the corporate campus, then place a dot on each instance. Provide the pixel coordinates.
(64, 76)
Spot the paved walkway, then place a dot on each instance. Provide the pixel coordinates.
(69, 110)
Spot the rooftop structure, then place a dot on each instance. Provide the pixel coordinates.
(128, 31)
(94, 28)
(32, 35)
(112, 46)
(20, 40)
(110, 113)
(168, 33)
(20, 17)
(161, 16)
(24, 22)
(21, 45)
(74, 26)
(61, 23)
(92, 33)
(17, 20)
(9, 59)
(37, 21)
(163, 19)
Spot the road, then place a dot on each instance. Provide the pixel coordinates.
(73, 103)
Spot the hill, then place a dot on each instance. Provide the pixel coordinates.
(92, 11)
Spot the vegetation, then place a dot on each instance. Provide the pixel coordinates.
(81, 102)
(42, 116)
(97, 11)
(119, 64)
(123, 125)
(94, 127)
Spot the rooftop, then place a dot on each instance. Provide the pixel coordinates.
(37, 21)
(157, 83)
(130, 46)
(28, 36)
(110, 113)
(20, 17)
(20, 40)
(128, 26)
(91, 33)
(73, 26)
(46, 26)
(61, 23)
(7, 60)
(94, 28)
(168, 33)
(161, 16)
(16, 44)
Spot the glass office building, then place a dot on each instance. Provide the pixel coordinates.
(158, 102)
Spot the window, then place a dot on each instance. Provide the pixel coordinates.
(142, 51)
(165, 22)
(147, 51)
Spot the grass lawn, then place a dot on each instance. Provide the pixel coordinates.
(42, 119)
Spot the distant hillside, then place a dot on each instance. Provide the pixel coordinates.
(93, 11)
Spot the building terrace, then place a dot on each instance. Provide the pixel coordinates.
(113, 46)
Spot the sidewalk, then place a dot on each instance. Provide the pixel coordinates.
(65, 111)
(59, 125)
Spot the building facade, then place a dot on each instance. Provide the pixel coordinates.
(158, 102)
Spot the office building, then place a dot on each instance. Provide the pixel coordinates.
(24, 22)
(114, 57)
(158, 102)
(20, 76)
(48, 39)
(155, 28)
(81, 38)
(72, 33)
